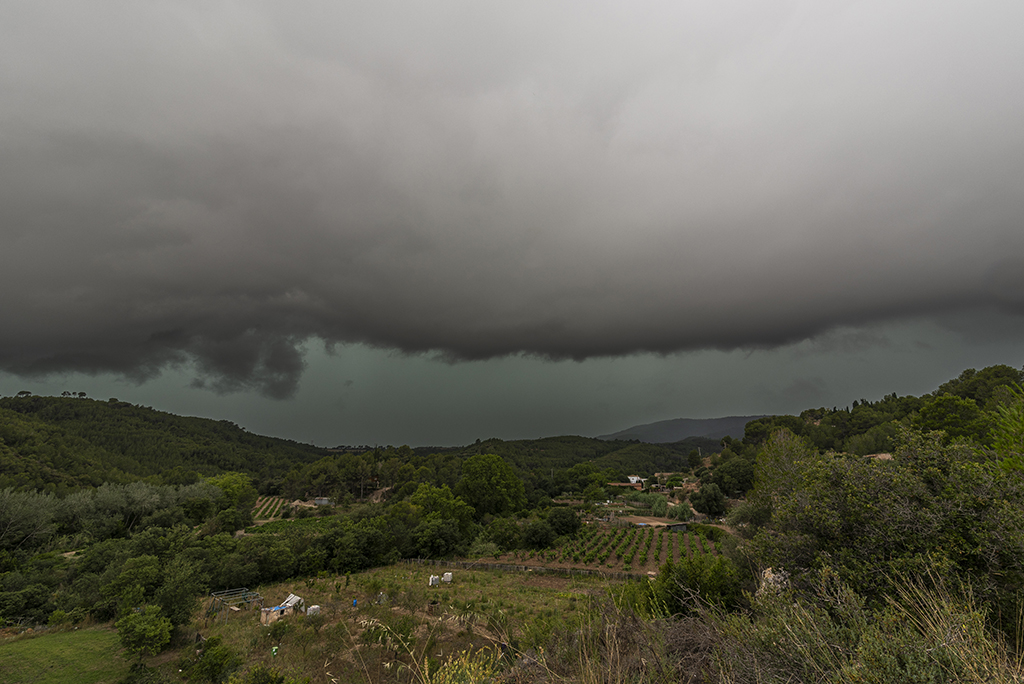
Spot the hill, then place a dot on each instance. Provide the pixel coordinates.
(63, 443)
(678, 429)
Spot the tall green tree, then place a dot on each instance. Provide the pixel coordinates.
(1008, 430)
(709, 500)
(956, 416)
(490, 486)
(238, 490)
(178, 595)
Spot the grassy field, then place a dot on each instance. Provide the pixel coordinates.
(383, 625)
(400, 624)
(84, 656)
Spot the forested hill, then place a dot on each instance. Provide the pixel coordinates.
(625, 456)
(62, 443)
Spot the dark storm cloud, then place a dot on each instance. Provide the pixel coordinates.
(214, 184)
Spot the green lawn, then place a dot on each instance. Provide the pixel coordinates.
(85, 656)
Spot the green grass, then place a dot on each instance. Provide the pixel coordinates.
(373, 642)
(84, 656)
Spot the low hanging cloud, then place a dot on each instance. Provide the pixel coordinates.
(214, 185)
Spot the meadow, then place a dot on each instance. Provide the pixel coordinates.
(89, 655)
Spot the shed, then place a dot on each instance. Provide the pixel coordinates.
(290, 605)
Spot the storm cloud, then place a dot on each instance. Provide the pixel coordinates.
(215, 184)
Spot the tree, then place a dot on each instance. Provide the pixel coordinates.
(706, 577)
(135, 582)
(178, 595)
(490, 485)
(144, 631)
(216, 662)
(1008, 430)
(538, 535)
(238, 490)
(956, 416)
(437, 537)
(734, 476)
(709, 500)
(981, 385)
(505, 533)
(933, 510)
(442, 501)
(564, 521)
(25, 517)
(594, 492)
(694, 459)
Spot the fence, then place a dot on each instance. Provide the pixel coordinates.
(232, 600)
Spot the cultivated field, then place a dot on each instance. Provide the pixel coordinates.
(268, 508)
(399, 626)
(618, 549)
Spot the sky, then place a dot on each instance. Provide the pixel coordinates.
(430, 222)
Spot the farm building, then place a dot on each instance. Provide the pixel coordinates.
(289, 606)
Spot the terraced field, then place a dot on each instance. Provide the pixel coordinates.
(268, 508)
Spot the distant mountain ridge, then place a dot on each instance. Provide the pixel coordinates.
(677, 429)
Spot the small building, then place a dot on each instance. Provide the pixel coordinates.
(289, 606)
(323, 501)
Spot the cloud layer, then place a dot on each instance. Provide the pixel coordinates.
(214, 184)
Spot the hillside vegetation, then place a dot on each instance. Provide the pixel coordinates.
(62, 443)
(902, 566)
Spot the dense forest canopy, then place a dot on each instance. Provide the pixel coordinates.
(62, 443)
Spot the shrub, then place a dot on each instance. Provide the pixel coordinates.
(538, 534)
(698, 580)
(144, 631)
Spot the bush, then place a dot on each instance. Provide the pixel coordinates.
(505, 533)
(260, 674)
(709, 500)
(144, 631)
(698, 581)
(215, 663)
(564, 521)
(921, 635)
(538, 535)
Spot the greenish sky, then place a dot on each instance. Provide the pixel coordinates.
(364, 396)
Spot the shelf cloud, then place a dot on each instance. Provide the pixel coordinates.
(218, 184)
